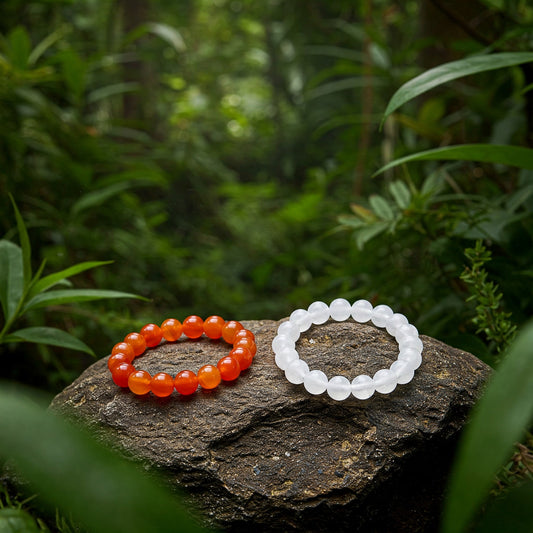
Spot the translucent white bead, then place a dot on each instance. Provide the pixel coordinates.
(362, 311)
(296, 371)
(380, 315)
(403, 370)
(363, 387)
(280, 342)
(394, 322)
(411, 342)
(339, 388)
(340, 309)
(385, 381)
(412, 356)
(302, 319)
(285, 357)
(291, 330)
(319, 312)
(316, 382)
(406, 331)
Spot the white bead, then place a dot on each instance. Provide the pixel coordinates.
(280, 342)
(406, 331)
(296, 371)
(362, 311)
(394, 322)
(385, 381)
(302, 319)
(411, 342)
(363, 387)
(380, 315)
(319, 312)
(285, 357)
(339, 388)
(315, 382)
(288, 328)
(340, 309)
(404, 372)
(412, 356)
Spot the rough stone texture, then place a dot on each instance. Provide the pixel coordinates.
(264, 453)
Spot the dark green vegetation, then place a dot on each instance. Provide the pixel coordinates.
(227, 157)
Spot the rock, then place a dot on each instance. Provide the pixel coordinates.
(263, 453)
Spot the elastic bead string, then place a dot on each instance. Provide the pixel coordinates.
(124, 374)
(362, 387)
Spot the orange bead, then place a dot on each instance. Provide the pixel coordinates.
(120, 374)
(213, 326)
(209, 377)
(152, 335)
(229, 368)
(137, 342)
(171, 329)
(244, 333)
(246, 343)
(117, 359)
(162, 385)
(193, 327)
(139, 382)
(186, 382)
(123, 347)
(243, 355)
(230, 329)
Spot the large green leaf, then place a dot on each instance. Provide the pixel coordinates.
(69, 469)
(50, 336)
(11, 278)
(517, 156)
(451, 71)
(499, 420)
(67, 296)
(17, 521)
(24, 243)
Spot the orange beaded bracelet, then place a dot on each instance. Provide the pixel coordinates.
(186, 382)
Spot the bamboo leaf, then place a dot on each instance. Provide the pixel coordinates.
(11, 278)
(50, 336)
(24, 243)
(451, 71)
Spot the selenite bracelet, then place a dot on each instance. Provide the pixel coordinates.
(362, 387)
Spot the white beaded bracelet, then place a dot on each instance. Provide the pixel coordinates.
(338, 387)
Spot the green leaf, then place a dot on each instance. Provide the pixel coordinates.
(11, 278)
(84, 479)
(67, 296)
(45, 44)
(50, 336)
(401, 194)
(24, 243)
(354, 82)
(381, 207)
(366, 234)
(168, 33)
(112, 90)
(498, 421)
(19, 47)
(99, 196)
(517, 156)
(17, 521)
(57, 277)
(451, 71)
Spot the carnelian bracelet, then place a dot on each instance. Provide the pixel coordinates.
(186, 382)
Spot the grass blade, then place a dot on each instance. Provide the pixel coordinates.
(24, 243)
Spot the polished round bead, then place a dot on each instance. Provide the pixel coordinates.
(296, 371)
(243, 356)
(340, 309)
(120, 374)
(171, 329)
(125, 348)
(315, 382)
(186, 382)
(280, 342)
(139, 382)
(411, 342)
(193, 327)
(246, 342)
(302, 319)
(362, 311)
(229, 368)
(137, 342)
(152, 334)
(394, 322)
(412, 356)
(403, 370)
(385, 381)
(213, 326)
(117, 359)
(319, 312)
(406, 331)
(380, 315)
(290, 329)
(162, 385)
(244, 334)
(230, 329)
(209, 377)
(363, 387)
(339, 388)
(285, 357)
